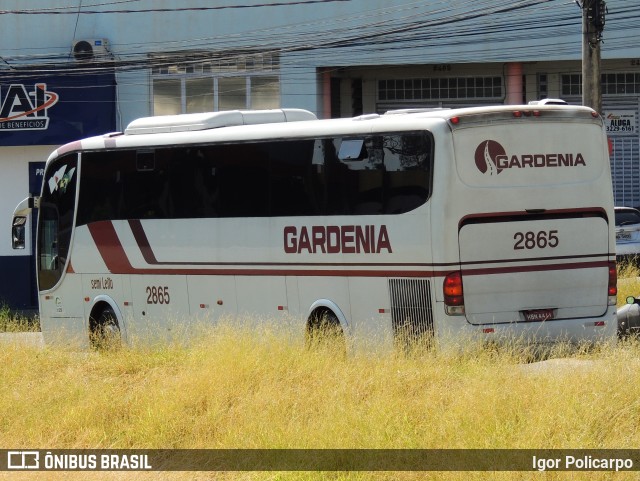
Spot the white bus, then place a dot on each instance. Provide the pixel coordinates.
(482, 222)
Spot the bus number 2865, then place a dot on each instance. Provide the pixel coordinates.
(531, 240)
(158, 295)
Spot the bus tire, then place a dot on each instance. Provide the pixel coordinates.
(324, 331)
(104, 331)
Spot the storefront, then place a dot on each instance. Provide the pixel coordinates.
(38, 113)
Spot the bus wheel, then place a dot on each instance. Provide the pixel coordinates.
(324, 331)
(104, 330)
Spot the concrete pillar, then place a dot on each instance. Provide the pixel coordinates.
(326, 93)
(514, 84)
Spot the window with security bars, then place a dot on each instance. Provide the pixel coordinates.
(452, 88)
(612, 83)
(204, 83)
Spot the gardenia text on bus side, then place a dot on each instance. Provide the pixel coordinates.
(492, 158)
(539, 160)
(333, 239)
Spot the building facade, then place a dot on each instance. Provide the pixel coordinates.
(71, 71)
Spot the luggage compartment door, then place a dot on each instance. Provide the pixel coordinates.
(534, 268)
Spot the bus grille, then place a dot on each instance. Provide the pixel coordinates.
(411, 312)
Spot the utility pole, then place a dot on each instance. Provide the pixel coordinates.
(593, 18)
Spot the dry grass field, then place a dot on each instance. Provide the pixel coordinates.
(10, 322)
(240, 388)
(628, 282)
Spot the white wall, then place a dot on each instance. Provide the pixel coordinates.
(14, 186)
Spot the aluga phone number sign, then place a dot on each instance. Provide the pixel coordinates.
(621, 122)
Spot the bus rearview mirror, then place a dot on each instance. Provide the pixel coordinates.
(18, 232)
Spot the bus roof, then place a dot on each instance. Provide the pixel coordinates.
(237, 126)
(213, 120)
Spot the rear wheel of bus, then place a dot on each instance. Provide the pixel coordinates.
(325, 332)
(104, 331)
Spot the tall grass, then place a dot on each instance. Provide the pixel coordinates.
(241, 388)
(628, 282)
(252, 388)
(13, 322)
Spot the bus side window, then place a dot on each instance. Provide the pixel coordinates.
(243, 181)
(336, 180)
(360, 175)
(406, 159)
(206, 187)
(291, 186)
(147, 188)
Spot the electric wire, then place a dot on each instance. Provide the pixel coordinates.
(392, 35)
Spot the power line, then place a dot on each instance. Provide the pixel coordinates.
(53, 11)
(387, 33)
(75, 28)
(376, 32)
(74, 7)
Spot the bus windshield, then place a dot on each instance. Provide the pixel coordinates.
(57, 207)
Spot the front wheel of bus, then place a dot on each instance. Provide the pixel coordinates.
(105, 331)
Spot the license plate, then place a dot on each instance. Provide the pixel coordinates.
(538, 315)
(623, 236)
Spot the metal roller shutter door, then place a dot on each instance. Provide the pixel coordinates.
(625, 159)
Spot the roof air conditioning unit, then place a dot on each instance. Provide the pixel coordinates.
(91, 49)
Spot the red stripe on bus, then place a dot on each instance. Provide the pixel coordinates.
(149, 256)
(536, 268)
(70, 147)
(143, 242)
(115, 257)
(110, 247)
(521, 215)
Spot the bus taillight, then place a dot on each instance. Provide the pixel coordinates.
(612, 290)
(453, 294)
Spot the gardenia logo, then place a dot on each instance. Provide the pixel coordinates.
(492, 158)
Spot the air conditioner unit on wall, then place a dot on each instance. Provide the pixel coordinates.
(91, 49)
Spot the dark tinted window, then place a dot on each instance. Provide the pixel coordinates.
(380, 174)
